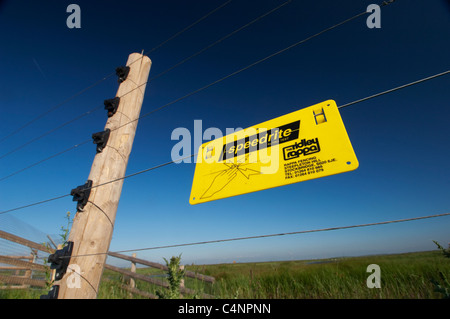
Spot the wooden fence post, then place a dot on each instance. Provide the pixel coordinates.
(182, 280)
(29, 272)
(54, 270)
(133, 269)
(92, 228)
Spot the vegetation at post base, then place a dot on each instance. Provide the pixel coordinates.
(175, 275)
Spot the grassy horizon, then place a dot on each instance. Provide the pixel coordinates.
(403, 276)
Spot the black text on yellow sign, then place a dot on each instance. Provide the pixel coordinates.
(256, 142)
(306, 144)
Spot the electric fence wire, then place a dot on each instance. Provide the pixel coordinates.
(188, 27)
(270, 235)
(384, 3)
(48, 133)
(95, 186)
(265, 236)
(276, 235)
(61, 152)
(206, 86)
(171, 162)
(147, 52)
(193, 155)
(396, 88)
(219, 41)
(209, 85)
(150, 80)
(14, 132)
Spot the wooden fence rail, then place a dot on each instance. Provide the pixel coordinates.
(25, 282)
(190, 274)
(25, 242)
(19, 263)
(133, 275)
(28, 264)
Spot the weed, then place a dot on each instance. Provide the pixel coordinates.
(442, 285)
(175, 275)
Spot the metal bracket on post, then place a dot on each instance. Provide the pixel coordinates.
(111, 105)
(81, 195)
(101, 139)
(60, 260)
(52, 294)
(122, 72)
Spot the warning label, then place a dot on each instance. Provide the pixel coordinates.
(306, 144)
(306, 166)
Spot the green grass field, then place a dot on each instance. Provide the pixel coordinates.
(403, 276)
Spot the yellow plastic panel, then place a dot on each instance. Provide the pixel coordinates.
(306, 144)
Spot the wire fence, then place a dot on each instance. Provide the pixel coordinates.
(14, 226)
(24, 251)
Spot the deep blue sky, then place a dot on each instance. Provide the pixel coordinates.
(401, 139)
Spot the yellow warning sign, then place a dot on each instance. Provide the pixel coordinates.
(306, 144)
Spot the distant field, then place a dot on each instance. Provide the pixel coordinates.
(403, 276)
